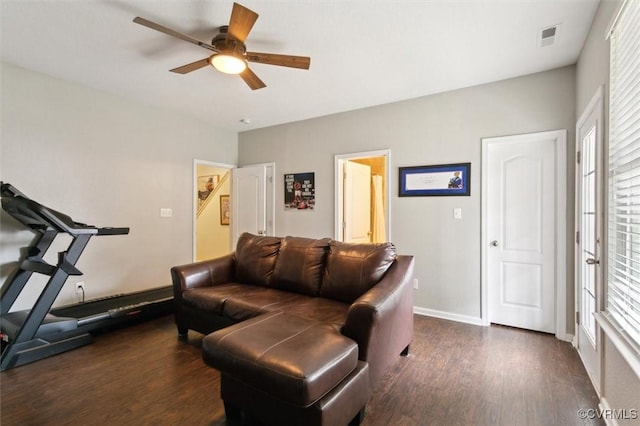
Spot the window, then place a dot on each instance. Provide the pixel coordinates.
(623, 274)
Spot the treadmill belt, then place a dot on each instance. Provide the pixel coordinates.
(117, 302)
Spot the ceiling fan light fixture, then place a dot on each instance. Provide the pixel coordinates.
(228, 63)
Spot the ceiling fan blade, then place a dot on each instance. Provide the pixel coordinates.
(241, 22)
(192, 66)
(302, 62)
(169, 31)
(252, 79)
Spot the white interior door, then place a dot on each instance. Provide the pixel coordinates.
(521, 182)
(252, 200)
(357, 202)
(589, 234)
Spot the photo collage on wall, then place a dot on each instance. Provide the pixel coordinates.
(299, 191)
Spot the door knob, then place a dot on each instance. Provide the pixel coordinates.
(494, 243)
(592, 261)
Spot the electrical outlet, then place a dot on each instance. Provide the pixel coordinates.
(164, 212)
(415, 283)
(80, 291)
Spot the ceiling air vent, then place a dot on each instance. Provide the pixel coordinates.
(547, 36)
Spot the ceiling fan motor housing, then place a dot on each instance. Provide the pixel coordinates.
(226, 43)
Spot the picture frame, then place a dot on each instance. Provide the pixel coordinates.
(225, 210)
(206, 185)
(435, 180)
(299, 191)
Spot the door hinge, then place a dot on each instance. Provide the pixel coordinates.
(577, 237)
(577, 318)
(578, 157)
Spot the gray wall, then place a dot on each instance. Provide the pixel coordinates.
(438, 129)
(619, 385)
(106, 161)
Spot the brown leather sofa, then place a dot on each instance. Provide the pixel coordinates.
(363, 291)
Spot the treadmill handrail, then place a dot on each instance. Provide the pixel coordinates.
(8, 190)
(35, 215)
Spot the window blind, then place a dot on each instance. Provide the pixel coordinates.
(623, 274)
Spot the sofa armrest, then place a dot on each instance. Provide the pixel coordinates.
(206, 273)
(381, 320)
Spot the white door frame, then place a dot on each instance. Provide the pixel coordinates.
(560, 137)
(194, 206)
(595, 106)
(339, 188)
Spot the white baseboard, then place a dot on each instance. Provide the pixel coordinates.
(471, 320)
(604, 406)
(568, 338)
(447, 315)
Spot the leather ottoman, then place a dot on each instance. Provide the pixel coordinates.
(282, 369)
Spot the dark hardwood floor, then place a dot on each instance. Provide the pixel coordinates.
(456, 374)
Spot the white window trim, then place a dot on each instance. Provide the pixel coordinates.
(622, 343)
(628, 348)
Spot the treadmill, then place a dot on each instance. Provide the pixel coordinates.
(40, 332)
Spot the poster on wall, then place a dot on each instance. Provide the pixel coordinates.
(299, 191)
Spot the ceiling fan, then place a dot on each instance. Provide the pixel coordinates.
(229, 51)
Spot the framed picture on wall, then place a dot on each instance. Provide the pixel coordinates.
(443, 179)
(206, 185)
(299, 191)
(225, 210)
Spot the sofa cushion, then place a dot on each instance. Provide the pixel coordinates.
(294, 359)
(320, 309)
(211, 299)
(255, 258)
(255, 300)
(300, 265)
(352, 269)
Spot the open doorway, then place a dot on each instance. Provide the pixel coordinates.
(362, 197)
(211, 210)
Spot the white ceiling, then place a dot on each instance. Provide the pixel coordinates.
(363, 53)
